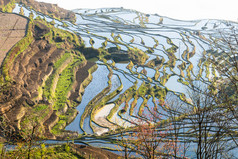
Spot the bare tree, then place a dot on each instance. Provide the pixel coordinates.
(151, 137)
(175, 109)
(225, 62)
(208, 122)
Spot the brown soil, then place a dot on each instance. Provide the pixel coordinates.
(93, 152)
(81, 75)
(12, 29)
(30, 69)
(28, 72)
(53, 119)
(50, 9)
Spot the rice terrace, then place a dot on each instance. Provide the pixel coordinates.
(115, 83)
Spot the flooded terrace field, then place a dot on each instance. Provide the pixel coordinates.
(124, 89)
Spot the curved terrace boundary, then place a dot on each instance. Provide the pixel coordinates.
(12, 29)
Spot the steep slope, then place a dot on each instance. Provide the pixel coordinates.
(38, 75)
(142, 60)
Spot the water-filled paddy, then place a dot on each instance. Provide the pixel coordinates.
(176, 43)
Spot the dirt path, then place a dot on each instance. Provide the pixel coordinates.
(93, 152)
(12, 29)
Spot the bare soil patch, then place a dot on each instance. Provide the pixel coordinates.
(12, 29)
(93, 152)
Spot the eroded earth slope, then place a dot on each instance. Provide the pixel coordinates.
(39, 77)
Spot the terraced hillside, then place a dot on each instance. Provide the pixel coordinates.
(153, 60)
(145, 63)
(166, 54)
(39, 74)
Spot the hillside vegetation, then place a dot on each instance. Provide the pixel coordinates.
(119, 79)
